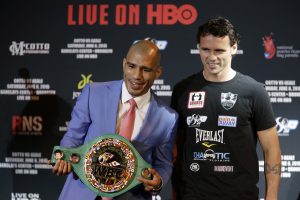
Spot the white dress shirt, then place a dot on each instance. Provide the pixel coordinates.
(142, 105)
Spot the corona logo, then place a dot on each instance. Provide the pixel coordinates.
(26, 124)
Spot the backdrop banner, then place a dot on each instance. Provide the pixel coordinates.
(51, 49)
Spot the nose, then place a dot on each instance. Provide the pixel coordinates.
(138, 73)
(212, 56)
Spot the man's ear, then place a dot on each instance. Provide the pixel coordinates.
(124, 63)
(234, 49)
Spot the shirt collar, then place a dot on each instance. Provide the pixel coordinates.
(140, 100)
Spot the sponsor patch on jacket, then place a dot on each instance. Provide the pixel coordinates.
(196, 99)
(194, 167)
(228, 100)
(224, 168)
(228, 121)
(195, 120)
(212, 155)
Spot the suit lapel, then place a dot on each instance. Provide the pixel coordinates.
(112, 105)
(144, 132)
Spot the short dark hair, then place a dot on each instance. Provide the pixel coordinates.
(219, 27)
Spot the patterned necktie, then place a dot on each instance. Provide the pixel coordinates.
(127, 121)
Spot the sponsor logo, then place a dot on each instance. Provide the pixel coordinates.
(284, 125)
(85, 80)
(212, 136)
(26, 125)
(270, 49)
(223, 168)
(211, 155)
(130, 14)
(196, 99)
(285, 51)
(195, 120)
(170, 14)
(228, 100)
(207, 144)
(228, 121)
(21, 48)
(194, 167)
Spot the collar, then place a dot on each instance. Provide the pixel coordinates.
(140, 100)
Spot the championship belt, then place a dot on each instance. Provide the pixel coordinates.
(107, 165)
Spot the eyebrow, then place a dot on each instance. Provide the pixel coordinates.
(143, 66)
(206, 48)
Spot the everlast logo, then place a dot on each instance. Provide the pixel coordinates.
(212, 136)
(130, 14)
(27, 125)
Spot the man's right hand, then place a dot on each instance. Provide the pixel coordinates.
(62, 168)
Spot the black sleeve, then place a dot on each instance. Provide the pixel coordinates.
(263, 112)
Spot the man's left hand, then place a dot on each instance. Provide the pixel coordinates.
(154, 184)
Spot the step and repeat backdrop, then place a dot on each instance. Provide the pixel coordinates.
(51, 49)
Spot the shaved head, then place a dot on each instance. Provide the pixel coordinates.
(141, 67)
(146, 48)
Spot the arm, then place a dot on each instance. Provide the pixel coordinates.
(77, 129)
(163, 154)
(270, 144)
(162, 161)
(80, 121)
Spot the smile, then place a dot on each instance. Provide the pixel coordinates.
(136, 85)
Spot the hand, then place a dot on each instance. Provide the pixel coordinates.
(61, 167)
(153, 184)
